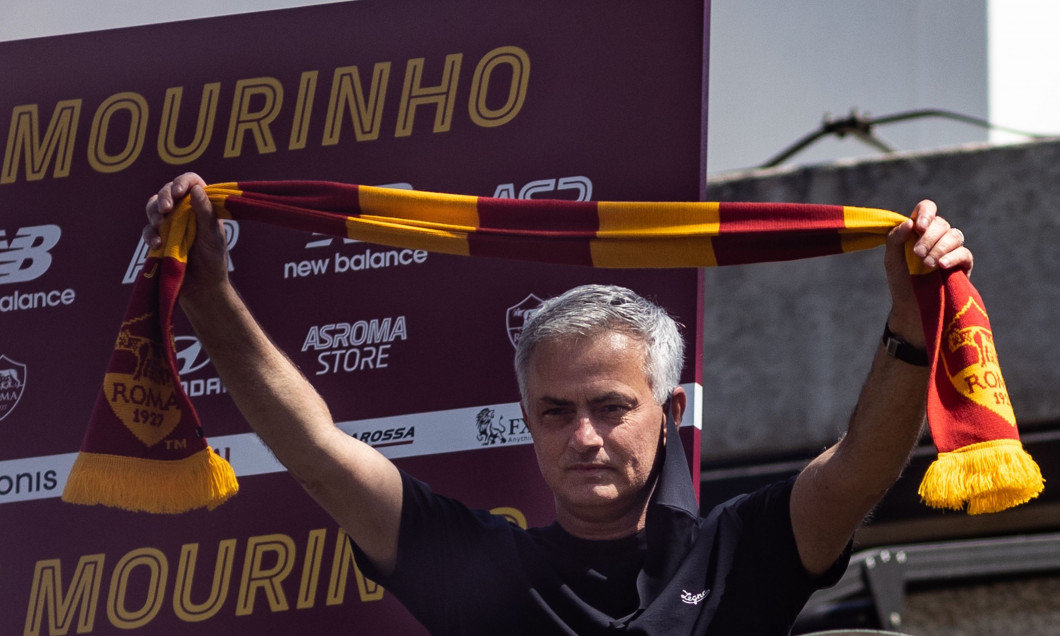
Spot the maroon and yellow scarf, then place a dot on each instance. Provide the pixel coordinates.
(144, 449)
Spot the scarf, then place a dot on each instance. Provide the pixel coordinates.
(144, 449)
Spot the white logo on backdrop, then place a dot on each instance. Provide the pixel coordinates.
(363, 345)
(548, 189)
(518, 314)
(492, 429)
(28, 254)
(25, 257)
(12, 383)
(191, 357)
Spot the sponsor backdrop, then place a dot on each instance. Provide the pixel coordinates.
(411, 350)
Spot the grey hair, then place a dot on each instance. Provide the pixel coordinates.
(590, 310)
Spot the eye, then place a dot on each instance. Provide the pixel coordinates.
(555, 414)
(614, 409)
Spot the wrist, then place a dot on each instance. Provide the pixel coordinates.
(899, 348)
(206, 300)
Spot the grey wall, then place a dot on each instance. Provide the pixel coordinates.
(787, 345)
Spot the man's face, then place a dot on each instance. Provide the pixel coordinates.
(596, 426)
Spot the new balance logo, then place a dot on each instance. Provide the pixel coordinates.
(27, 255)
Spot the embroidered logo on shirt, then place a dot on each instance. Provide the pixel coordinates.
(693, 599)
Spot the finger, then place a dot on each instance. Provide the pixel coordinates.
(151, 236)
(204, 212)
(154, 216)
(179, 187)
(184, 183)
(950, 240)
(154, 221)
(960, 258)
(900, 233)
(200, 203)
(923, 214)
(164, 202)
(174, 191)
(928, 247)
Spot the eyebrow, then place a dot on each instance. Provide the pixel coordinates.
(599, 399)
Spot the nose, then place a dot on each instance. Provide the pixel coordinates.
(585, 435)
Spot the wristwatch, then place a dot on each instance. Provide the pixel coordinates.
(902, 350)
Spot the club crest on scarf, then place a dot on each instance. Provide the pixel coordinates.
(139, 387)
(970, 361)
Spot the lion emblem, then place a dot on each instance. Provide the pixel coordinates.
(489, 431)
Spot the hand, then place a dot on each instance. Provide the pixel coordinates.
(208, 260)
(939, 245)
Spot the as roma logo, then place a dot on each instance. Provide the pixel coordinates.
(970, 361)
(140, 391)
(12, 382)
(518, 314)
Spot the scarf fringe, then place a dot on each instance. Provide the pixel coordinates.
(203, 480)
(987, 477)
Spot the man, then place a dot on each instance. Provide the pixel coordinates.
(598, 370)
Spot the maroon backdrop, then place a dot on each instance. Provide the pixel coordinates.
(546, 99)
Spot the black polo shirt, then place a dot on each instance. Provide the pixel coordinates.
(736, 571)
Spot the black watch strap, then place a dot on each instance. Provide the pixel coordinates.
(902, 350)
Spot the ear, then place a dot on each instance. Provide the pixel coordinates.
(678, 402)
(674, 406)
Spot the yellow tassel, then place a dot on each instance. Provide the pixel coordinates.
(150, 485)
(987, 477)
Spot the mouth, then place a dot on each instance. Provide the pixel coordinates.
(588, 468)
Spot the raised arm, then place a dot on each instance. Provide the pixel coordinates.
(354, 483)
(840, 487)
